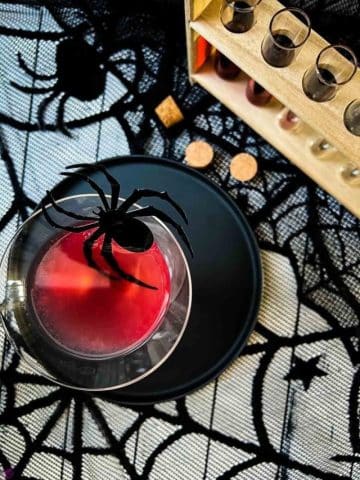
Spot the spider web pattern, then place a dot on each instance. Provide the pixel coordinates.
(258, 420)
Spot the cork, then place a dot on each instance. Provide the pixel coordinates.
(243, 167)
(199, 154)
(168, 112)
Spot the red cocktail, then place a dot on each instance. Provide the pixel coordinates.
(88, 312)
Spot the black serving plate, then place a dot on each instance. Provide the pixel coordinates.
(225, 270)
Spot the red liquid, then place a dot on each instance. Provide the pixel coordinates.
(86, 311)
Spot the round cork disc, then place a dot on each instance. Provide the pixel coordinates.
(243, 167)
(199, 154)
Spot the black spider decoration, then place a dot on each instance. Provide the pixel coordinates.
(116, 223)
(80, 73)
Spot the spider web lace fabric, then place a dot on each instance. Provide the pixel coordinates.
(288, 407)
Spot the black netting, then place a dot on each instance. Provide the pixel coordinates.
(118, 61)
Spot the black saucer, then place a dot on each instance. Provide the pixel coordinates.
(226, 274)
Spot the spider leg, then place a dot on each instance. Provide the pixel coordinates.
(31, 72)
(87, 249)
(60, 116)
(66, 212)
(43, 107)
(115, 186)
(138, 194)
(68, 228)
(152, 211)
(31, 90)
(93, 185)
(106, 252)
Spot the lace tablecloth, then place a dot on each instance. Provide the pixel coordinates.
(288, 407)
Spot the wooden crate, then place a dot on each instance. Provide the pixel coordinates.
(285, 84)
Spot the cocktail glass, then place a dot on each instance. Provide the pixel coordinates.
(81, 327)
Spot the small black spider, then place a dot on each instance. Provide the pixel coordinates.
(80, 73)
(116, 223)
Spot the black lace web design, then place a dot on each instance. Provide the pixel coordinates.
(289, 214)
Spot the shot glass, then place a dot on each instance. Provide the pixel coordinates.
(238, 16)
(288, 31)
(352, 117)
(335, 66)
(224, 67)
(256, 94)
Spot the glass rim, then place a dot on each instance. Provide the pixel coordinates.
(307, 24)
(345, 117)
(250, 8)
(29, 360)
(353, 101)
(349, 105)
(335, 47)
